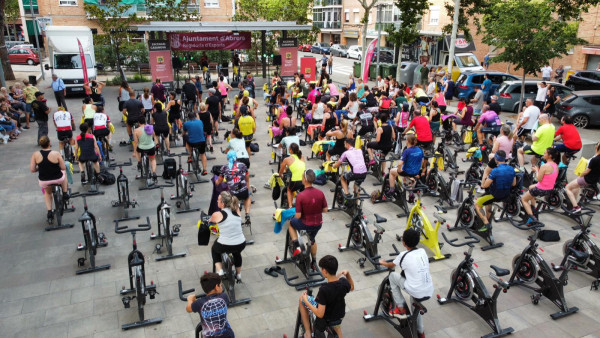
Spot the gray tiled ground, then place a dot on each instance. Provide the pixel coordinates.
(41, 296)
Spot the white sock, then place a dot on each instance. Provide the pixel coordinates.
(220, 272)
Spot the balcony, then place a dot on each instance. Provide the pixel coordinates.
(328, 25)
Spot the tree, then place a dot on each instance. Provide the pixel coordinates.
(411, 12)
(528, 34)
(367, 5)
(170, 10)
(299, 11)
(114, 24)
(8, 72)
(12, 14)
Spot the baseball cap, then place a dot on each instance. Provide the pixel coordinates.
(38, 94)
(246, 93)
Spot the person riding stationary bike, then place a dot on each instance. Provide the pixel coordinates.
(503, 142)
(546, 177)
(143, 138)
(237, 177)
(102, 124)
(133, 109)
(174, 109)
(64, 123)
(355, 158)
(488, 122)
(590, 176)
(409, 165)
(161, 126)
(384, 140)
(415, 277)
(296, 163)
(569, 134)
(329, 306)
(542, 140)
(499, 182)
(86, 149)
(193, 136)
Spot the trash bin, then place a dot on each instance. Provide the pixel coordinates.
(407, 70)
(388, 69)
(357, 66)
(33, 80)
(373, 71)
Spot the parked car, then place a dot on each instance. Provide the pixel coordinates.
(584, 80)
(319, 48)
(385, 56)
(355, 52)
(339, 50)
(305, 47)
(23, 55)
(509, 93)
(583, 106)
(467, 81)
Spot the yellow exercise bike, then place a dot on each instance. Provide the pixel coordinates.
(417, 220)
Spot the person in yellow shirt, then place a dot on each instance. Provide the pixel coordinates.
(29, 92)
(542, 140)
(247, 126)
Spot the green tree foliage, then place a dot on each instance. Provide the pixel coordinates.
(367, 6)
(528, 34)
(299, 11)
(132, 54)
(113, 21)
(170, 10)
(406, 31)
(6, 8)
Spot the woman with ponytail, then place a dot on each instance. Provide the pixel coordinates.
(296, 164)
(231, 237)
(546, 177)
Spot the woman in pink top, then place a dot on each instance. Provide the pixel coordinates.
(333, 89)
(504, 141)
(546, 177)
(439, 98)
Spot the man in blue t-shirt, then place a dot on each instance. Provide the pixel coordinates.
(500, 181)
(486, 88)
(194, 137)
(409, 165)
(212, 308)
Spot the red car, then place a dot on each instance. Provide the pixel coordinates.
(305, 47)
(23, 55)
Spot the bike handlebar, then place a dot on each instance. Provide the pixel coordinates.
(183, 292)
(141, 227)
(469, 242)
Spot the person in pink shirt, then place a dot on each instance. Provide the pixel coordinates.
(333, 89)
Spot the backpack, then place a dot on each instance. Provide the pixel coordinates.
(106, 178)
(170, 168)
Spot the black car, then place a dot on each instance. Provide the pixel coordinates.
(583, 106)
(584, 80)
(384, 57)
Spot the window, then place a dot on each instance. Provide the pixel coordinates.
(71, 61)
(593, 100)
(211, 3)
(434, 15)
(67, 2)
(531, 89)
(477, 79)
(347, 16)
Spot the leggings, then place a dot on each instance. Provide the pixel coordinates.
(236, 250)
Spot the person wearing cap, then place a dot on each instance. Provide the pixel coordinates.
(497, 185)
(60, 91)
(29, 91)
(41, 111)
(494, 105)
(251, 102)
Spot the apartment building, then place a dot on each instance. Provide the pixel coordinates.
(72, 13)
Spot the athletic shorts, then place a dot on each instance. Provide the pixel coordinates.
(487, 200)
(150, 152)
(248, 139)
(350, 176)
(581, 181)
(405, 174)
(435, 126)
(63, 134)
(90, 122)
(101, 133)
(46, 184)
(131, 121)
(310, 230)
(92, 159)
(242, 195)
(522, 132)
(424, 144)
(201, 146)
(561, 148)
(535, 192)
(163, 132)
(215, 115)
(378, 146)
(491, 130)
(244, 160)
(527, 150)
(336, 151)
(296, 186)
(173, 117)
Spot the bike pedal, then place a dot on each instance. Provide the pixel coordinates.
(153, 236)
(80, 261)
(80, 247)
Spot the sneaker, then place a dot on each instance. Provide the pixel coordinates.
(50, 215)
(154, 177)
(83, 180)
(221, 273)
(26, 127)
(576, 209)
(211, 149)
(480, 190)
(348, 196)
(530, 220)
(247, 219)
(238, 278)
(297, 251)
(372, 162)
(66, 196)
(204, 173)
(399, 313)
(390, 193)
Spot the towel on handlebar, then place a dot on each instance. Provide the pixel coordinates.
(322, 146)
(282, 216)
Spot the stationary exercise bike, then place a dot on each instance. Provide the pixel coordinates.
(183, 189)
(329, 329)
(469, 219)
(166, 232)
(470, 291)
(399, 197)
(348, 205)
(530, 267)
(145, 174)
(436, 183)
(361, 240)
(92, 179)
(418, 221)
(60, 207)
(137, 278)
(124, 199)
(583, 253)
(385, 303)
(92, 241)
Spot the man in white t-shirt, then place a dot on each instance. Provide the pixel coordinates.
(414, 279)
(540, 97)
(527, 119)
(546, 72)
(64, 123)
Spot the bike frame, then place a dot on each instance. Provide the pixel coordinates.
(91, 240)
(429, 234)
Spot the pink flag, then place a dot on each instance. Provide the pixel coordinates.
(83, 65)
(368, 58)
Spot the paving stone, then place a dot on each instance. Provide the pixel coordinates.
(94, 324)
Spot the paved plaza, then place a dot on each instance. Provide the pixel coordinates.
(40, 295)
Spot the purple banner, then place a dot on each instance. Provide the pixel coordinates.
(210, 41)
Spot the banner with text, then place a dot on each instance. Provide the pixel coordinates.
(210, 41)
(160, 62)
(308, 67)
(288, 49)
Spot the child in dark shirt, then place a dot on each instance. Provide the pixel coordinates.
(329, 305)
(212, 307)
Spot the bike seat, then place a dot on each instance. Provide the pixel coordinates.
(579, 255)
(510, 123)
(379, 219)
(499, 271)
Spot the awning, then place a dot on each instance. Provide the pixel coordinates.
(591, 50)
(461, 45)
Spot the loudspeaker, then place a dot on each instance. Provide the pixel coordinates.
(176, 62)
(277, 60)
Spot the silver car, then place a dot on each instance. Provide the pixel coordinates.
(583, 106)
(509, 93)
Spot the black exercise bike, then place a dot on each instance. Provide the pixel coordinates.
(137, 278)
(329, 332)
(124, 199)
(92, 240)
(61, 205)
(166, 232)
